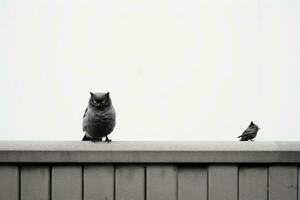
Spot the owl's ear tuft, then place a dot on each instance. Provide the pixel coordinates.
(107, 95)
(92, 94)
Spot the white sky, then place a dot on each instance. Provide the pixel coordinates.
(176, 69)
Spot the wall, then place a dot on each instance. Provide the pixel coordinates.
(149, 170)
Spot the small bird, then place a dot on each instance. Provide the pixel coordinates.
(99, 118)
(250, 133)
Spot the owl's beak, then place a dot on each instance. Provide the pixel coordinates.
(99, 105)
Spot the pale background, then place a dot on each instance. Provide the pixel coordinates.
(176, 69)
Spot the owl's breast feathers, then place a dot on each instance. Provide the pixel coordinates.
(99, 123)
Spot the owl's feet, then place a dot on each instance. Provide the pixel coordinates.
(107, 139)
(96, 140)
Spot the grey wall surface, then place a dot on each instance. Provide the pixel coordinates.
(112, 180)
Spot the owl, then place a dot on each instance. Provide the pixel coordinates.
(99, 118)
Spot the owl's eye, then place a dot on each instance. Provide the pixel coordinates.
(103, 101)
(94, 101)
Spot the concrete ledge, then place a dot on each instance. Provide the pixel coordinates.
(149, 152)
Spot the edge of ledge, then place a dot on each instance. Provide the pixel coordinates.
(148, 152)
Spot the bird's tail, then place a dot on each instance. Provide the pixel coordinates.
(239, 136)
(86, 138)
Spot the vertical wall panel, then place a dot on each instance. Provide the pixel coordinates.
(35, 182)
(282, 182)
(253, 183)
(130, 182)
(161, 183)
(66, 182)
(222, 182)
(192, 183)
(98, 182)
(9, 182)
(298, 183)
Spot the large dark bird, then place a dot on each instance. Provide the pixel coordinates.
(99, 118)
